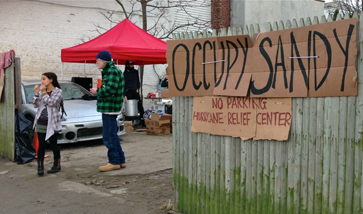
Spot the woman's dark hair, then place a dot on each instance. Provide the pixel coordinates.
(127, 65)
(55, 83)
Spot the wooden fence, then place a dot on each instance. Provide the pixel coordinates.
(318, 170)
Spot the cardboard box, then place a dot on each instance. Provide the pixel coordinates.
(165, 94)
(128, 126)
(158, 125)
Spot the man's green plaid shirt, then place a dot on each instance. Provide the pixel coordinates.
(110, 96)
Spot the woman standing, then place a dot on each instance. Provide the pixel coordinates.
(48, 99)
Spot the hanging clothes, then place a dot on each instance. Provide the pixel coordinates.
(6, 59)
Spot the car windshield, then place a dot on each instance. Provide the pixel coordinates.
(71, 91)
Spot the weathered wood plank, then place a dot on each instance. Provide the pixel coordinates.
(297, 109)
(260, 176)
(177, 153)
(213, 180)
(249, 180)
(318, 181)
(17, 83)
(334, 139)
(237, 176)
(318, 173)
(228, 182)
(266, 176)
(357, 170)
(349, 163)
(342, 144)
(243, 195)
(199, 171)
(7, 115)
(191, 151)
(207, 173)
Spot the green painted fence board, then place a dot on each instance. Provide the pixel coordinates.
(7, 115)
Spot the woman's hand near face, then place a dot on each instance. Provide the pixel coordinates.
(43, 89)
(36, 89)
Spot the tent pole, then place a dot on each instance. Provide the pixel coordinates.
(62, 71)
(140, 71)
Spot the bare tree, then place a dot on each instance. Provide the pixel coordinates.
(162, 24)
(160, 14)
(344, 7)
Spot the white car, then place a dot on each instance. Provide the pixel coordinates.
(82, 122)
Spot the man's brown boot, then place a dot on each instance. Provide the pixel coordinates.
(123, 165)
(108, 167)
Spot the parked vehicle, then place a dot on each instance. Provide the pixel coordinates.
(82, 122)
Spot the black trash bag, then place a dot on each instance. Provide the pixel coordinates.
(24, 148)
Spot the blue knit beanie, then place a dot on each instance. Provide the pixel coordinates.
(104, 55)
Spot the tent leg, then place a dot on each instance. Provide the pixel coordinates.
(62, 71)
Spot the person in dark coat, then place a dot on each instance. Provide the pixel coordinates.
(165, 82)
(132, 87)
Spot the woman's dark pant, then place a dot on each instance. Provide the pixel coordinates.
(53, 144)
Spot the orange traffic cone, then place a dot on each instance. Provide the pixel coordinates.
(36, 145)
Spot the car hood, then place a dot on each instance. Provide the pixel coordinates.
(80, 108)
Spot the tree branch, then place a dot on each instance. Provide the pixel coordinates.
(123, 8)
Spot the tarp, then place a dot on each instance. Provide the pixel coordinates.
(25, 151)
(125, 41)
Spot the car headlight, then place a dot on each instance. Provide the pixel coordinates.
(120, 117)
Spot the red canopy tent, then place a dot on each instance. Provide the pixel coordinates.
(125, 41)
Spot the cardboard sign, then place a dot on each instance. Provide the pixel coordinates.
(273, 122)
(244, 117)
(312, 61)
(197, 66)
(305, 61)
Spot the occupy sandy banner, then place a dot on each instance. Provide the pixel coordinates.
(244, 117)
(312, 61)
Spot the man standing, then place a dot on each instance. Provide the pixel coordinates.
(109, 103)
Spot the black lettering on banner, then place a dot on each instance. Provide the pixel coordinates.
(206, 85)
(187, 67)
(215, 64)
(245, 50)
(229, 64)
(254, 90)
(196, 87)
(345, 52)
(301, 65)
(328, 51)
(282, 63)
(223, 58)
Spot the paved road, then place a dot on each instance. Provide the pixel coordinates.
(80, 188)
